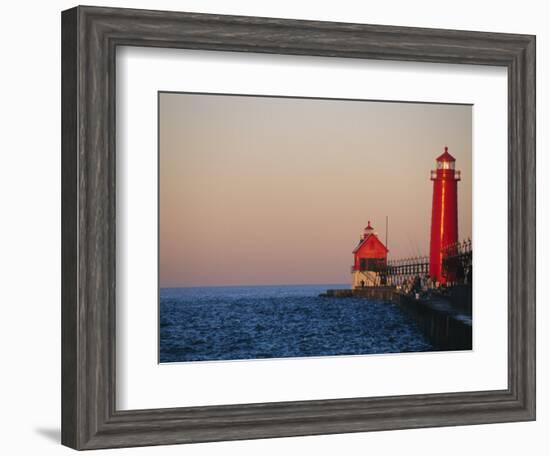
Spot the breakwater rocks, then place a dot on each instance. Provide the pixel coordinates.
(446, 319)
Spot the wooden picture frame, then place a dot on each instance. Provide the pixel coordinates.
(90, 36)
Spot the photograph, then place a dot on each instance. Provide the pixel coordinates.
(294, 227)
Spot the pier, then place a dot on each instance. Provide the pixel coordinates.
(378, 293)
(446, 325)
(444, 316)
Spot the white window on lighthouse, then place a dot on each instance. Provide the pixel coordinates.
(445, 165)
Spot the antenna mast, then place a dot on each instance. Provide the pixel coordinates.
(387, 232)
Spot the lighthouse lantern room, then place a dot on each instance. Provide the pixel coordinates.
(370, 256)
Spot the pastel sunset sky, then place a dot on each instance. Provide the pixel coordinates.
(265, 191)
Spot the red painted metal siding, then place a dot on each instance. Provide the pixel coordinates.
(444, 230)
(371, 248)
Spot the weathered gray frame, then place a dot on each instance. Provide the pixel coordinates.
(90, 36)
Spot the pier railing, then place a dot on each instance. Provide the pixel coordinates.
(457, 262)
(404, 270)
(457, 266)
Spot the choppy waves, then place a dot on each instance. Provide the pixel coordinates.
(228, 323)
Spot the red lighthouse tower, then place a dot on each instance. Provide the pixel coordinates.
(444, 213)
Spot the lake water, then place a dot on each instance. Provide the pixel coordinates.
(228, 323)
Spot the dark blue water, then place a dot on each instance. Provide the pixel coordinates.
(223, 323)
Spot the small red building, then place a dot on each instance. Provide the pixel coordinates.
(369, 256)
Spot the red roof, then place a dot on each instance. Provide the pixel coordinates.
(372, 238)
(445, 156)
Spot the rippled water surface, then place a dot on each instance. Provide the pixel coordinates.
(224, 323)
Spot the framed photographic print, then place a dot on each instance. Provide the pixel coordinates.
(279, 227)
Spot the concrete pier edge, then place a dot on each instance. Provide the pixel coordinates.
(446, 324)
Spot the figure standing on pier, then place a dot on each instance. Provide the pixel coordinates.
(370, 256)
(444, 232)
